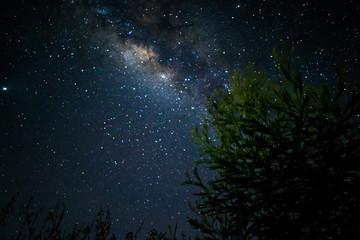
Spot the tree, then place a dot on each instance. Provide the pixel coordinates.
(286, 158)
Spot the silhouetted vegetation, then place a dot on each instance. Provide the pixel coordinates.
(286, 157)
(52, 226)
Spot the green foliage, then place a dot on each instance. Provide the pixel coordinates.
(286, 156)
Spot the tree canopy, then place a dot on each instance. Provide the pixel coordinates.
(286, 157)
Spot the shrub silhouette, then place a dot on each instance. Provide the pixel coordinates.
(52, 228)
(286, 158)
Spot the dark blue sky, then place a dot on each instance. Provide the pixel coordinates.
(98, 98)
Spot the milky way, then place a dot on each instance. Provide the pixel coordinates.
(99, 98)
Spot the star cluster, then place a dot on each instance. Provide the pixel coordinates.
(98, 98)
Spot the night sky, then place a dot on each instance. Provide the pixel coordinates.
(98, 98)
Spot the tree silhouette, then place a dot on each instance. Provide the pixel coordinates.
(35, 227)
(286, 158)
